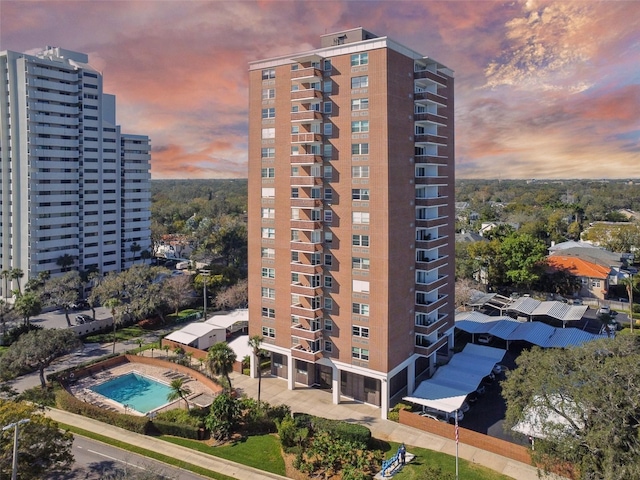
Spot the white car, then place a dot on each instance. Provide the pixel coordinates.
(485, 338)
(498, 369)
(604, 310)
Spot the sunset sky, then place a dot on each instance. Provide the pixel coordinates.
(544, 89)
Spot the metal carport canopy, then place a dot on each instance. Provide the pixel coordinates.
(450, 385)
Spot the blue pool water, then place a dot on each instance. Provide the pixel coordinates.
(136, 391)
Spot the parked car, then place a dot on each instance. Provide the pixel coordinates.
(80, 305)
(473, 397)
(485, 338)
(441, 416)
(481, 390)
(604, 310)
(498, 369)
(82, 319)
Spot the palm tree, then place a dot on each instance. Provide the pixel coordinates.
(220, 360)
(255, 341)
(145, 255)
(16, 274)
(135, 248)
(178, 390)
(65, 261)
(630, 283)
(5, 275)
(112, 303)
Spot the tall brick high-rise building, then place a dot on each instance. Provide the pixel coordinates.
(351, 215)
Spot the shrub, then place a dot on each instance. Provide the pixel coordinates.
(338, 429)
(177, 429)
(181, 416)
(394, 414)
(68, 402)
(40, 396)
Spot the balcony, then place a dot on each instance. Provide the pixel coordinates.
(434, 76)
(306, 268)
(433, 97)
(432, 348)
(432, 159)
(432, 222)
(306, 312)
(306, 116)
(305, 181)
(306, 74)
(300, 331)
(431, 264)
(305, 290)
(306, 225)
(301, 353)
(428, 138)
(431, 201)
(309, 247)
(305, 138)
(430, 117)
(307, 94)
(305, 159)
(432, 306)
(306, 202)
(432, 327)
(432, 243)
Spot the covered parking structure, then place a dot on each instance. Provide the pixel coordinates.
(448, 388)
(531, 308)
(508, 329)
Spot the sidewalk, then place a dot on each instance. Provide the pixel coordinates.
(319, 402)
(183, 454)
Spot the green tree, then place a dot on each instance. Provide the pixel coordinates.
(223, 416)
(630, 284)
(179, 390)
(220, 361)
(28, 305)
(112, 304)
(135, 247)
(15, 274)
(178, 291)
(5, 274)
(44, 450)
(36, 349)
(255, 343)
(524, 259)
(62, 292)
(586, 405)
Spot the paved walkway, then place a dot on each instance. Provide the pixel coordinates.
(319, 402)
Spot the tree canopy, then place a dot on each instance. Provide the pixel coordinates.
(43, 449)
(220, 360)
(587, 403)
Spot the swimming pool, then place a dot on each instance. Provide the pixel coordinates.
(135, 391)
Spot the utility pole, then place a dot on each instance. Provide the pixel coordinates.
(205, 278)
(14, 425)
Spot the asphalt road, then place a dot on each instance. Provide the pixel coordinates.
(94, 459)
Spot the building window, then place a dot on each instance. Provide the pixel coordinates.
(294, 192)
(268, 113)
(328, 194)
(268, 332)
(358, 331)
(295, 235)
(360, 218)
(360, 263)
(268, 74)
(328, 304)
(328, 346)
(359, 59)
(268, 312)
(268, 213)
(328, 324)
(328, 129)
(268, 133)
(328, 281)
(316, 303)
(327, 65)
(360, 353)
(268, 152)
(360, 240)
(295, 278)
(327, 151)
(359, 104)
(268, 272)
(361, 171)
(360, 126)
(327, 107)
(268, 93)
(268, 192)
(327, 87)
(328, 216)
(328, 259)
(268, 252)
(328, 172)
(360, 82)
(328, 238)
(268, 292)
(422, 341)
(359, 148)
(268, 172)
(295, 257)
(360, 194)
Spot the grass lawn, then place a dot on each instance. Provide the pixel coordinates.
(122, 334)
(261, 452)
(417, 469)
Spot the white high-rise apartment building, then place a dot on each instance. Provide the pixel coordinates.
(72, 185)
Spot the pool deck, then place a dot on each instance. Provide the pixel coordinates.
(81, 389)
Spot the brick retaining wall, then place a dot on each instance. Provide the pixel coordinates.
(468, 437)
(196, 353)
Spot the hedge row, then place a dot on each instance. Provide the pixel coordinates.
(336, 428)
(177, 429)
(68, 402)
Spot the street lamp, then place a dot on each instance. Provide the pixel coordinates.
(205, 277)
(14, 425)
